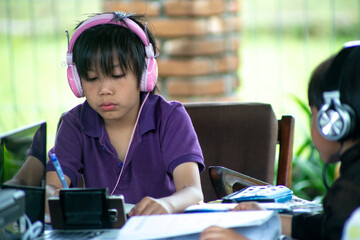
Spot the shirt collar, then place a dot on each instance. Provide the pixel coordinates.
(147, 119)
(93, 123)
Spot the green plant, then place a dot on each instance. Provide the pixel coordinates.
(307, 165)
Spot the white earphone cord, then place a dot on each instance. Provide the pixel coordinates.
(131, 138)
(33, 230)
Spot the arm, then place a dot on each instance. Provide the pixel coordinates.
(188, 192)
(53, 185)
(68, 136)
(286, 221)
(220, 233)
(63, 136)
(30, 174)
(53, 181)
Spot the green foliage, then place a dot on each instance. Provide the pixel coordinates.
(14, 161)
(308, 166)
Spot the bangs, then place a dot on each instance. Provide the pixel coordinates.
(98, 48)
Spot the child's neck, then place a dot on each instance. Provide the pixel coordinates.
(120, 133)
(125, 122)
(348, 144)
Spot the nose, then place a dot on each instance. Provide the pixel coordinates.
(106, 87)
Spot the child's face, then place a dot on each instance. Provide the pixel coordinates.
(114, 97)
(325, 147)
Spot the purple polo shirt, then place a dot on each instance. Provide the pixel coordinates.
(163, 139)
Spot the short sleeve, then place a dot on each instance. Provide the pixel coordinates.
(38, 146)
(179, 140)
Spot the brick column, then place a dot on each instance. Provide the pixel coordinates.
(198, 42)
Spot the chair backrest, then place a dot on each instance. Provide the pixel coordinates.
(286, 141)
(242, 137)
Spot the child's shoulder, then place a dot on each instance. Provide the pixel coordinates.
(82, 118)
(75, 111)
(79, 112)
(160, 103)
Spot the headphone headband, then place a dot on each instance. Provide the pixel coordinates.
(108, 18)
(336, 67)
(150, 74)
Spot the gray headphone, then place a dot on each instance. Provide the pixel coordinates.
(336, 120)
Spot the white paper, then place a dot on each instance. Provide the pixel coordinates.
(172, 225)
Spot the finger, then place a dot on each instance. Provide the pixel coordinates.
(142, 207)
(153, 208)
(211, 228)
(212, 232)
(138, 208)
(247, 206)
(132, 212)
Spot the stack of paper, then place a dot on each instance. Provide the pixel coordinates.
(252, 224)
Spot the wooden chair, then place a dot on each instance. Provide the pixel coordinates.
(239, 143)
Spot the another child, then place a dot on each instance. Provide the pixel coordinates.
(124, 137)
(334, 99)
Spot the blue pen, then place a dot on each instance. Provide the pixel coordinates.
(59, 170)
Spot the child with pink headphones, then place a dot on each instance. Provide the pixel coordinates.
(124, 137)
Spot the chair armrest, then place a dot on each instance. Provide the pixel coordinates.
(226, 181)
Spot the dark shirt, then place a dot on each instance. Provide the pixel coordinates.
(342, 198)
(38, 146)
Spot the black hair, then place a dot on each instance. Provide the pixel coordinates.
(316, 83)
(349, 87)
(104, 42)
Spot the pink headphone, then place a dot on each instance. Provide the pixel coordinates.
(150, 74)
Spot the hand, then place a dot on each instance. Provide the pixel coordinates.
(246, 206)
(215, 232)
(149, 206)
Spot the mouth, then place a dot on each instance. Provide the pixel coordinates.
(108, 106)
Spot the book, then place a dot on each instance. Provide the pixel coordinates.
(225, 207)
(268, 193)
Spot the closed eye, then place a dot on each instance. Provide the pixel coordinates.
(119, 76)
(91, 76)
(91, 79)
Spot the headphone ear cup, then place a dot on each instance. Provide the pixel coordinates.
(350, 119)
(335, 123)
(149, 76)
(74, 81)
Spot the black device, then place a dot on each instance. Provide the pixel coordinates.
(89, 208)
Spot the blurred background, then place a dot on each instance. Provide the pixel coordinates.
(280, 43)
